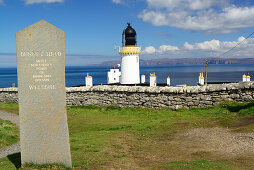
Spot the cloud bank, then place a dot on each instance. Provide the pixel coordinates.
(29, 2)
(208, 16)
(212, 48)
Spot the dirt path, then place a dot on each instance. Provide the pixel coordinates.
(15, 148)
(14, 118)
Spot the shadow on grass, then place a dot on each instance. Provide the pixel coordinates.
(15, 159)
(236, 107)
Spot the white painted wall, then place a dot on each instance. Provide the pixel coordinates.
(89, 81)
(143, 79)
(130, 68)
(114, 76)
(247, 78)
(244, 78)
(168, 81)
(202, 81)
(153, 81)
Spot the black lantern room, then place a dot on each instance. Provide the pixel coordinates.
(129, 36)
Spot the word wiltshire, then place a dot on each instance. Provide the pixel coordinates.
(44, 133)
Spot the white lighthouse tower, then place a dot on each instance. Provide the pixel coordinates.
(129, 52)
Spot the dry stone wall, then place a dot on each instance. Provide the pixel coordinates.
(9, 95)
(153, 97)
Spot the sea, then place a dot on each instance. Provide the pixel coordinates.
(179, 74)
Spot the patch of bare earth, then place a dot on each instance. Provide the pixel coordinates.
(245, 121)
(218, 142)
(131, 152)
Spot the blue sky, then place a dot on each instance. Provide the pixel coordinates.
(165, 28)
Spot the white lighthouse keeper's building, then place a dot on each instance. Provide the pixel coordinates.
(129, 52)
(113, 76)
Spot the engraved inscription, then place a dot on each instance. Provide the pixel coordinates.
(31, 54)
(54, 54)
(38, 87)
(40, 54)
(41, 66)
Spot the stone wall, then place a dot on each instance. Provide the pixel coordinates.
(9, 95)
(154, 97)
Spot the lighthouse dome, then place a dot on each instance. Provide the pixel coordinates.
(129, 36)
(129, 31)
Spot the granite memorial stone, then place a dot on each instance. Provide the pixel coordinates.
(44, 133)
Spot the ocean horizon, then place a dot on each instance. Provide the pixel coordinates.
(179, 74)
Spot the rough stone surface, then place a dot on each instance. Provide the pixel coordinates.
(154, 97)
(44, 133)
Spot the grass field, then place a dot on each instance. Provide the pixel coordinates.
(9, 133)
(10, 107)
(142, 138)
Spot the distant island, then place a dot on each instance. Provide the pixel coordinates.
(166, 61)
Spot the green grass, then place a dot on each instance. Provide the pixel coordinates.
(16, 164)
(135, 138)
(8, 133)
(9, 107)
(243, 109)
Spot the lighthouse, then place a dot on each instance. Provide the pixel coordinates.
(129, 52)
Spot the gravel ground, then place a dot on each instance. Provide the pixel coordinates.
(9, 150)
(220, 141)
(14, 118)
(15, 148)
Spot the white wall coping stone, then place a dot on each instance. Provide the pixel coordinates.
(9, 89)
(166, 89)
(158, 89)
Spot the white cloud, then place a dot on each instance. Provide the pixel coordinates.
(163, 49)
(212, 48)
(29, 2)
(240, 39)
(216, 45)
(209, 16)
(192, 4)
(207, 45)
(149, 50)
(118, 1)
(167, 48)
